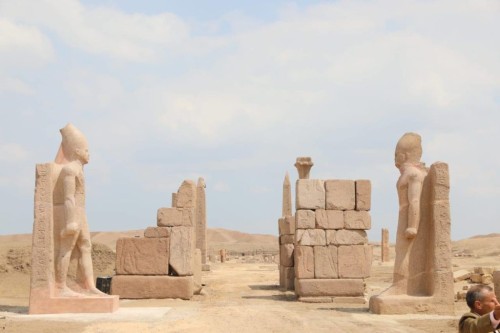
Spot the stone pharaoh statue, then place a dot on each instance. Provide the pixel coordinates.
(409, 187)
(70, 218)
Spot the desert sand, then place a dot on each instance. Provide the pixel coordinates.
(241, 295)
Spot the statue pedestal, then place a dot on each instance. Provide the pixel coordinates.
(88, 304)
(405, 304)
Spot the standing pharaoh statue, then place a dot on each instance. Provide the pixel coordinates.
(423, 278)
(409, 187)
(70, 216)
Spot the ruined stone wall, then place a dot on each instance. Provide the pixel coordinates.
(332, 256)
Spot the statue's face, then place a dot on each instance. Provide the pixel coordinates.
(82, 154)
(399, 158)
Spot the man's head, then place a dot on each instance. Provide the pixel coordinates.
(481, 299)
(74, 145)
(408, 149)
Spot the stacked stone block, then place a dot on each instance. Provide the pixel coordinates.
(286, 239)
(332, 256)
(163, 263)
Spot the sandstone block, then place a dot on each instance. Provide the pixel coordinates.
(323, 299)
(309, 194)
(186, 195)
(174, 217)
(346, 237)
(483, 270)
(287, 277)
(487, 279)
(329, 219)
(354, 261)
(325, 262)
(286, 255)
(340, 194)
(474, 277)
(287, 225)
(287, 239)
(363, 194)
(305, 219)
(140, 286)
(310, 237)
(461, 275)
(357, 220)
(304, 262)
(329, 287)
(157, 232)
(496, 283)
(182, 250)
(142, 256)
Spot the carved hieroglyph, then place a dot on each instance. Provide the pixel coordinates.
(423, 278)
(60, 232)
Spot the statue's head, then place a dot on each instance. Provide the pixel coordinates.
(408, 149)
(74, 146)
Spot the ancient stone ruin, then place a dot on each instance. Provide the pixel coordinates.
(423, 277)
(384, 246)
(286, 227)
(61, 235)
(166, 262)
(331, 255)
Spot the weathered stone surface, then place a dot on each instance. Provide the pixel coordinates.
(287, 197)
(340, 194)
(329, 219)
(310, 237)
(363, 194)
(461, 275)
(496, 283)
(186, 195)
(287, 225)
(309, 194)
(142, 256)
(346, 237)
(157, 232)
(325, 262)
(201, 219)
(329, 287)
(305, 219)
(174, 217)
(355, 261)
(140, 286)
(304, 262)
(475, 278)
(357, 220)
(406, 304)
(487, 279)
(197, 272)
(384, 246)
(483, 270)
(319, 299)
(182, 250)
(286, 255)
(287, 239)
(174, 199)
(287, 277)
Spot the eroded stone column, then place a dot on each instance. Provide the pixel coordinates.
(384, 246)
(287, 197)
(201, 222)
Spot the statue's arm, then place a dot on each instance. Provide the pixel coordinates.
(69, 188)
(414, 193)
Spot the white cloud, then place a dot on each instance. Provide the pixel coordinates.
(100, 30)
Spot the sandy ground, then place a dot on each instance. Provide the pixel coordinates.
(239, 297)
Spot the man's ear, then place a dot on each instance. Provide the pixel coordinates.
(478, 305)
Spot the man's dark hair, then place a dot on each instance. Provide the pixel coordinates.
(476, 293)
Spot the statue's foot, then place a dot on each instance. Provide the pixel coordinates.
(95, 292)
(66, 292)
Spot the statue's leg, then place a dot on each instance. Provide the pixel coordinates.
(85, 247)
(66, 246)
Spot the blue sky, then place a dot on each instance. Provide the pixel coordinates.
(234, 92)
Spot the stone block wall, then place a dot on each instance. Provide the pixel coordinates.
(286, 239)
(163, 263)
(332, 256)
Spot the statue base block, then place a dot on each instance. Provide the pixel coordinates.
(405, 304)
(88, 304)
